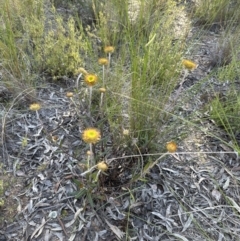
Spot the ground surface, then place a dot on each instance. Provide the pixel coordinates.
(190, 196)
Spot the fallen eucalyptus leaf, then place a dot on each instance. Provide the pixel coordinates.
(115, 230)
(39, 229)
(180, 236)
(226, 184)
(187, 224)
(234, 203)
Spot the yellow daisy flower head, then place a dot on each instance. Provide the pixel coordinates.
(91, 135)
(103, 61)
(102, 166)
(171, 146)
(108, 49)
(102, 90)
(69, 94)
(90, 79)
(35, 107)
(188, 64)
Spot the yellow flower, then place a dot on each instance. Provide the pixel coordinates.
(81, 70)
(88, 153)
(188, 64)
(102, 166)
(35, 107)
(109, 49)
(91, 135)
(90, 79)
(171, 146)
(69, 94)
(103, 61)
(102, 90)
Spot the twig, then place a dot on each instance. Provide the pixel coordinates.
(62, 225)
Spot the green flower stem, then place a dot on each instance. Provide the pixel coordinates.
(88, 171)
(101, 100)
(90, 99)
(103, 70)
(109, 59)
(74, 103)
(91, 156)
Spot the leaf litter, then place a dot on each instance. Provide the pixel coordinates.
(179, 192)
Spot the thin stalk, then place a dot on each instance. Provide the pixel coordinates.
(109, 58)
(101, 100)
(103, 70)
(91, 155)
(90, 99)
(77, 81)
